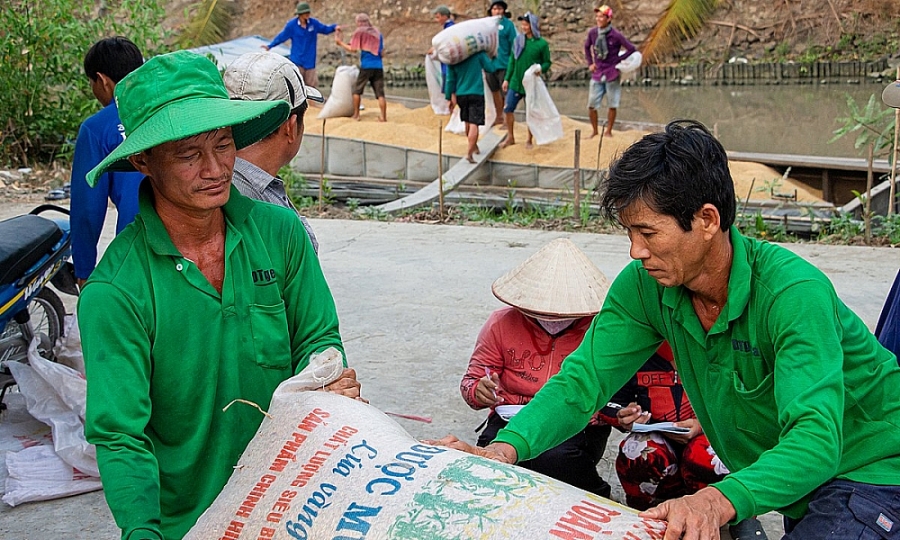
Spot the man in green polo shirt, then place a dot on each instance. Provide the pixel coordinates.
(795, 394)
(207, 297)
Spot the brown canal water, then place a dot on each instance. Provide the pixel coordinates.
(780, 119)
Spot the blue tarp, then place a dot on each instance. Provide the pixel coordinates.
(225, 53)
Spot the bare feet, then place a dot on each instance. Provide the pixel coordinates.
(594, 134)
(382, 119)
(355, 117)
(529, 145)
(507, 142)
(477, 150)
(607, 134)
(470, 159)
(502, 126)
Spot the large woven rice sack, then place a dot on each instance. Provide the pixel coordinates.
(340, 101)
(454, 44)
(325, 466)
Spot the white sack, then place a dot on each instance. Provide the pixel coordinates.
(454, 44)
(325, 466)
(55, 395)
(68, 347)
(38, 474)
(630, 64)
(340, 101)
(541, 115)
(456, 125)
(434, 79)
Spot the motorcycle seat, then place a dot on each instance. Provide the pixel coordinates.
(23, 241)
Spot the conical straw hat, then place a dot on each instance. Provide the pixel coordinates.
(557, 281)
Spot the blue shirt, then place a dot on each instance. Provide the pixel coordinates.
(303, 40)
(447, 25)
(368, 60)
(99, 135)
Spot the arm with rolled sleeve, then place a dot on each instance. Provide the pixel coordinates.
(88, 208)
(119, 408)
(321, 28)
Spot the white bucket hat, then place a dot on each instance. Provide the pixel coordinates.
(559, 281)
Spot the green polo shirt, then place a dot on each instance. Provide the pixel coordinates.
(789, 384)
(464, 78)
(536, 51)
(165, 353)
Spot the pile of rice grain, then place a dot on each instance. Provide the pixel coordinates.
(421, 129)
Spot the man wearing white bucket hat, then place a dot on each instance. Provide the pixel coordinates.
(207, 297)
(553, 296)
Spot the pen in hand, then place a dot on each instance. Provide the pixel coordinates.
(487, 373)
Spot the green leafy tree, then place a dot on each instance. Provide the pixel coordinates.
(873, 124)
(45, 93)
(681, 20)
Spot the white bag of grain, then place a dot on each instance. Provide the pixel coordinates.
(434, 79)
(325, 466)
(460, 41)
(541, 115)
(340, 101)
(630, 64)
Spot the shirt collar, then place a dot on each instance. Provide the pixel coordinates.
(257, 177)
(678, 299)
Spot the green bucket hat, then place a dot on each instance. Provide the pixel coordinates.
(179, 95)
(302, 8)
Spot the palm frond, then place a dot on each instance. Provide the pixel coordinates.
(682, 20)
(209, 23)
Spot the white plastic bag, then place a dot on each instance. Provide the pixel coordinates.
(630, 64)
(325, 466)
(454, 44)
(541, 115)
(340, 101)
(56, 395)
(456, 125)
(38, 474)
(68, 347)
(434, 79)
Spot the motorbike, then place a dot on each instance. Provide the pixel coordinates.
(34, 252)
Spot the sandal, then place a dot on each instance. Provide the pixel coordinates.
(749, 529)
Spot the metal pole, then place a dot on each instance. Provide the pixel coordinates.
(441, 168)
(576, 175)
(322, 170)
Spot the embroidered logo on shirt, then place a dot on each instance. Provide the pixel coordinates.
(884, 522)
(740, 345)
(263, 277)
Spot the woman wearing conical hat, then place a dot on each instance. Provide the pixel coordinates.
(552, 297)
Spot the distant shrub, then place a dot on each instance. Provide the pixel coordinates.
(45, 93)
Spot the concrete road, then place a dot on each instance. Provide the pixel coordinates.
(411, 299)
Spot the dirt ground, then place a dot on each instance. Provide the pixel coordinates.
(411, 299)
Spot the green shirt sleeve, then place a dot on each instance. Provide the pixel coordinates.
(616, 345)
(119, 413)
(311, 313)
(545, 58)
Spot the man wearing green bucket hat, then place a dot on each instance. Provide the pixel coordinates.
(207, 297)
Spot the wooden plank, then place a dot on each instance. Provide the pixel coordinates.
(819, 162)
(455, 176)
